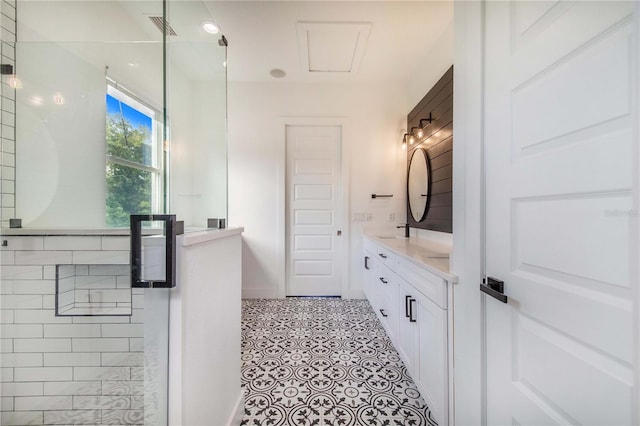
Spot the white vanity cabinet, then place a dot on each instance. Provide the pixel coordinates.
(406, 340)
(411, 302)
(380, 287)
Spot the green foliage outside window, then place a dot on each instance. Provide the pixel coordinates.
(129, 189)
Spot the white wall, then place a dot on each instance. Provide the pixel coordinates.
(374, 115)
(433, 63)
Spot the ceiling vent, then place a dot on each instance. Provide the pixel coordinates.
(160, 23)
(332, 47)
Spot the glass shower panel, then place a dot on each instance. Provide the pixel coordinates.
(196, 108)
(83, 117)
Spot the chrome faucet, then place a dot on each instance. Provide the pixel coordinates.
(406, 229)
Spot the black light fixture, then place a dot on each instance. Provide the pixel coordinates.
(422, 126)
(428, 120)
(412, 138)
(414, 133)
(404, 141)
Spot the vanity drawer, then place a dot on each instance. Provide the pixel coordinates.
(384, 277)
(381, 254)
(385, 257)
(427, 283)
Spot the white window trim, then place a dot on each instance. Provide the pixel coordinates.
(124, 95)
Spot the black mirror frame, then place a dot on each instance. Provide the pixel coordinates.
(428, 195)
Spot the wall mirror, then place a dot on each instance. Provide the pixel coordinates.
(418, 184)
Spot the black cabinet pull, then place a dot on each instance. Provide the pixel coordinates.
(411, 318)
(406, 306)
(366, 262)
(383, 314)
(494, 288)
(382, 255)
(383, 280)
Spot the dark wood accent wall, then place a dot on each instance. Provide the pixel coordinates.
(438, 141)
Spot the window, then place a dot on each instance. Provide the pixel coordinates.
(133, 169)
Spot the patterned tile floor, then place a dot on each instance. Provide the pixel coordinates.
(315, 361)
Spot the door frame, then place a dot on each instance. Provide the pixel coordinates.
(345, 131)
(467, 396)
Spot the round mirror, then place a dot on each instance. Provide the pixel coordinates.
(418, 184)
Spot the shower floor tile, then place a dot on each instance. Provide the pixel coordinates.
(316, 361)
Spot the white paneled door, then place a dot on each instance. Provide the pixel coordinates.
(561, 145)
(314, 206)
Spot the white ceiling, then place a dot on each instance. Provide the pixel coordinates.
(394, 36)
(263, 35)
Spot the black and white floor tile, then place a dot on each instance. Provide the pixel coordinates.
(323, 361)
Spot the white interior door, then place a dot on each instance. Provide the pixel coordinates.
(561, 139)
(314, 207)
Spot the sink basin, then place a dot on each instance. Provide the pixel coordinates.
(391, 237)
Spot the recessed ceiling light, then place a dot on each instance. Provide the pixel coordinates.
(277, 73)
(210, 27)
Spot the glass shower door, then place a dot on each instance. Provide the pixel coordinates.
(83, 125)
(109, 108)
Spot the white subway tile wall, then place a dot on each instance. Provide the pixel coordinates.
(7, 116)
(69, 369)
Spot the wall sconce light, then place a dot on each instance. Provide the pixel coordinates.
(423, 124)
(414, 133)
(404, 141)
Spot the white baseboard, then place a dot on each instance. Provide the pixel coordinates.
(273, 294)
(354, 294)
(238, 413)
(257, 293)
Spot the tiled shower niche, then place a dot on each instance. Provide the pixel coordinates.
(85, 290)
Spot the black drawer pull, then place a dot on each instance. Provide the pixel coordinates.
(383, 314)
(383, 280)
(411, 318)
(382, 255)
(366, 262)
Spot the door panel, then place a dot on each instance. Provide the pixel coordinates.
(313, 210)
(560, 139)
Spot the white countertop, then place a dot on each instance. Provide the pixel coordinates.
(190, 237)
(66, 231)
(196, 237)
(427, 254)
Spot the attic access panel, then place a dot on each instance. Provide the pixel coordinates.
(332, 47)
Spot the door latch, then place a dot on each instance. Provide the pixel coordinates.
(494, 288)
